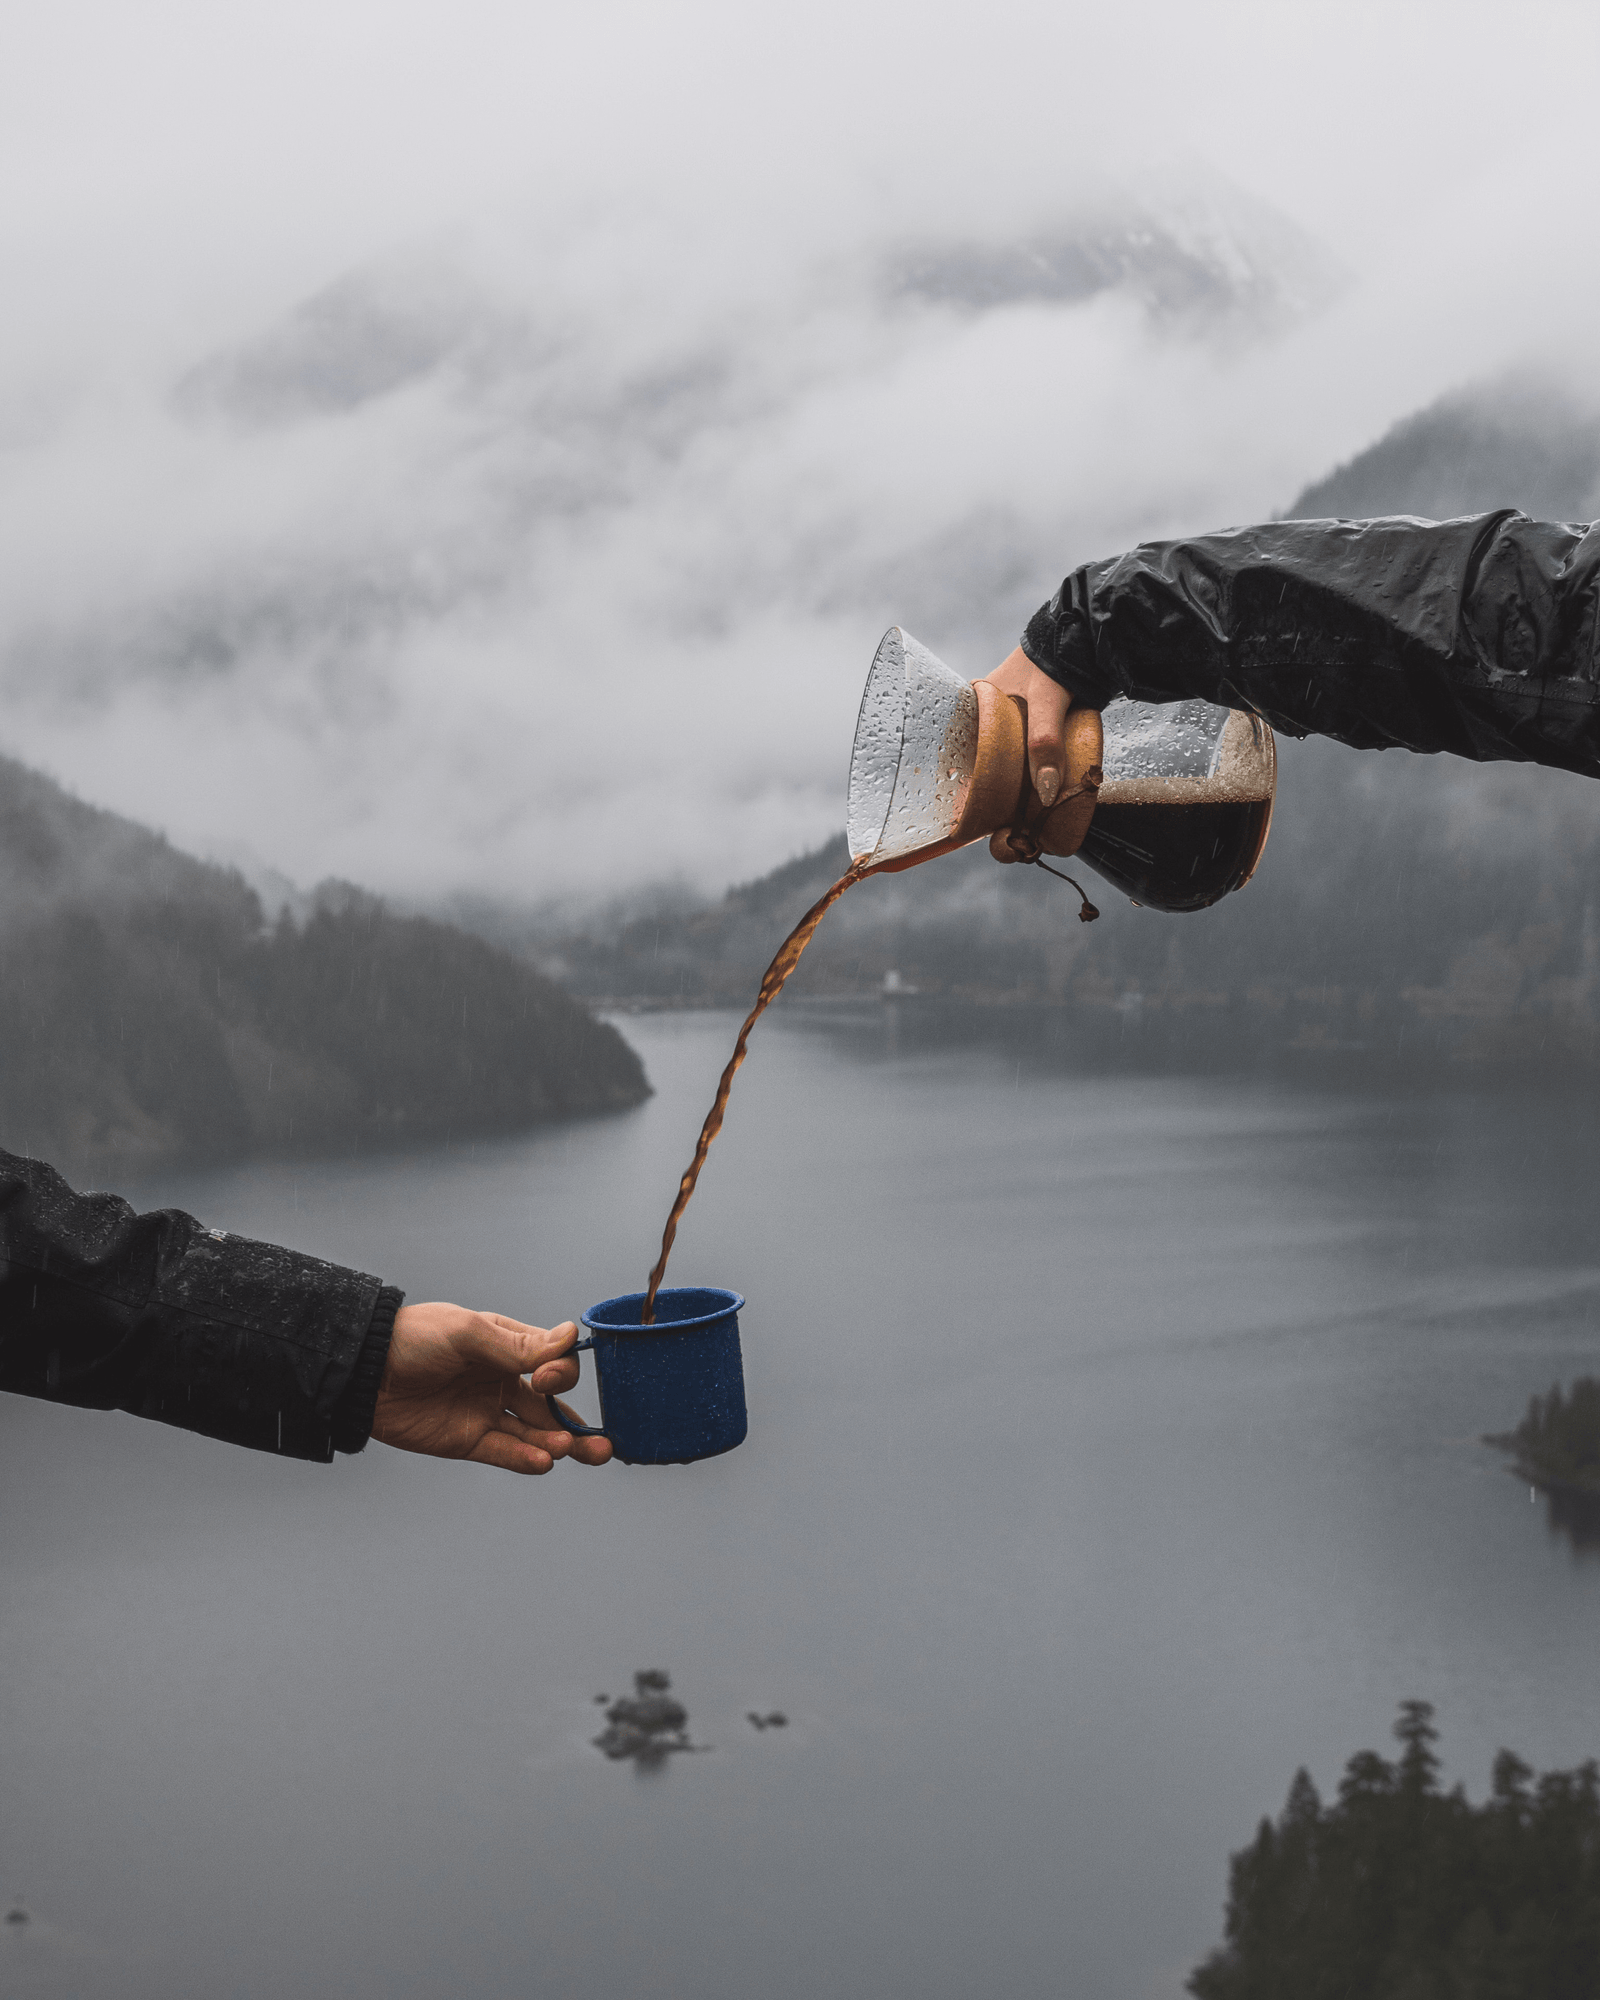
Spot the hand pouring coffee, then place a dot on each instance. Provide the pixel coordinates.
(1170, 804)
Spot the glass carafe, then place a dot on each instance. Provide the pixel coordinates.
(1172, 807)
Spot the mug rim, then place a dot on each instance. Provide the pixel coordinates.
(735, 1303)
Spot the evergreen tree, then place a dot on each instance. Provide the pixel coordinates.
(1399, 1891)
(1558, 1441)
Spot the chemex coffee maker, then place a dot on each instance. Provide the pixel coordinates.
(1170, 804)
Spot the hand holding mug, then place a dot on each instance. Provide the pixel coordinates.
(480, 1386)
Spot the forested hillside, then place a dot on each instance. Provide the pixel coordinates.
(1419, 936)
(149, 1007)
(1398, 1890)
(1518, 442)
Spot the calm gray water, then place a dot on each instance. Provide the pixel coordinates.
(1112, 1453)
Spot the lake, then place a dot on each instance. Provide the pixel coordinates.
(1113, 1450)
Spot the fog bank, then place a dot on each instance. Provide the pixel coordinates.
(481, 461)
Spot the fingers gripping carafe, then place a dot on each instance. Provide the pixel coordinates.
(1170, 804)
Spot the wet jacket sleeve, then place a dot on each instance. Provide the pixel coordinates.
(1478, 636)
(159, 1316)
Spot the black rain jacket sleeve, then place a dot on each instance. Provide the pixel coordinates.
(1478, 636)
(156, 1315)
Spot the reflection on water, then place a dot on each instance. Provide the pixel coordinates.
(1575, 1519)
(1113, 1451)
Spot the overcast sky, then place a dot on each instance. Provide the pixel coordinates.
(576, 586)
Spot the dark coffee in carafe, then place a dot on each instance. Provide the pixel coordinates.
(1177, 857)
(1186, 803)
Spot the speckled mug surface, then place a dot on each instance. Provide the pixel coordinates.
(673, 1392)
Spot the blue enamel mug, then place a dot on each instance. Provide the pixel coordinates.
(672, 1392)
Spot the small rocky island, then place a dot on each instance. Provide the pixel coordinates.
(649, 1725)
(646, 1726)
(1557, 1444)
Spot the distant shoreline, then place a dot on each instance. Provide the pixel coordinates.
(1546, 1482)
(1138, 1034)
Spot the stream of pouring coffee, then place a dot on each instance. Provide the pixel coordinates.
(785, 961)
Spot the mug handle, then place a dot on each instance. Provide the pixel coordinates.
(572, 1429)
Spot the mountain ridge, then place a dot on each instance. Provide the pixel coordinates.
(1520, 441)
(149, 1009)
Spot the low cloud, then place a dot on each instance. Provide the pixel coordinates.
(544, 554)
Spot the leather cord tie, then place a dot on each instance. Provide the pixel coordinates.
(1088, 912)
(1024, 845)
